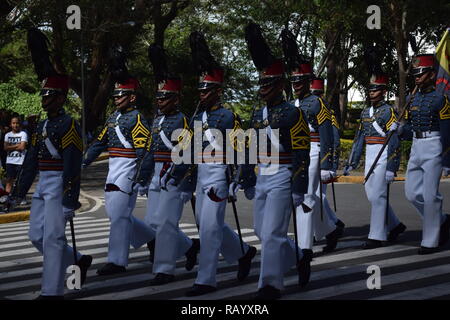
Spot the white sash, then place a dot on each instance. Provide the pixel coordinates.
(208, 133)
(163, 136)
(121, 137)
(375, 124)
(297, 104)
(271, 136)
(50, 147)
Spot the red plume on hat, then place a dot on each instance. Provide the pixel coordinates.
(52, 81)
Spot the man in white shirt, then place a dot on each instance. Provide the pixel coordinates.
(15, 145)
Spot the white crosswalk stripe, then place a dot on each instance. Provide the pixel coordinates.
(339, 275)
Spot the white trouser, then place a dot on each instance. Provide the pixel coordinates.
(376, 191)
(422, 186)
(310, 223)
(164, 209)
(47, 232)
(125, 228)
(215, 235)
(271, 213)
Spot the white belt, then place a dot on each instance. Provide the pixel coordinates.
(50, 147)
(163, 136)
(426, 134)
(119, 134)
(209, 134)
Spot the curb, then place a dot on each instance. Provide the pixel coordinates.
(15, 216)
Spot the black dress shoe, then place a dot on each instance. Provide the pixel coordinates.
(372, 244)
(161, 278)
(332, 240)
(394, 233)
(426, 250)
(84, 263)
(245, 263)
(110, 268)
(444, 233)
(200, 289)
(304, 267)
(41, 298)
(340, 224)
(268, 293)
(151, 249)
(191, 254)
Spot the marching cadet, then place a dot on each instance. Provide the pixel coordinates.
(376, 121)
(212, 178)
(321, 154)
(56, 152)
(429, 120)
(281, 182)
(317, 88)
(165, 205)
(126, 137)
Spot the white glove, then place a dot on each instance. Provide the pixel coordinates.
(68, 213)
(84, 165)
(394, 126)
(233, 189)
(445, 171)
(389, 176)
(250, 193)
(326, 175)
(140, 189)
(347, 170)
(185, 196)
(298, 199)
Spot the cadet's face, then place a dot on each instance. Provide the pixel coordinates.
(424, 79)
(300, 87)
(209, 97)
(122, 102)
(377, 95)
(270, 92)
(53, 102)
(166, 105)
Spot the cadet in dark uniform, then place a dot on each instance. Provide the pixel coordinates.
(56, 152)
(283, 159)
(126, 137)
(317, 88)
(170, 130)
(213, 178)
(376, 121)
(428, 122)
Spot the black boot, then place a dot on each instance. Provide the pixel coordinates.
(426, 250)
(151, 249)
(191, 254)
(245, 263)
(200, 289)
(394, 233)
(372, 244)
(444, 233)
(110, 268)
(161, 278)
(304, 267)
(332, 240)
(268, 293)
(84, 263)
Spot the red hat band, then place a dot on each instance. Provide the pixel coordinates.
(318, 85)
(126, 87)
(422, 63)
(170, 85)
(216, 76)
(54, 84)
(380, 79)
(272, 71)
(304, 69)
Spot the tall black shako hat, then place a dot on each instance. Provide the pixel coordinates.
(378, 79)
(270, 68)
(210, 72)
(168, 84)
(125, 84)
(300, 69)
(52, 82)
